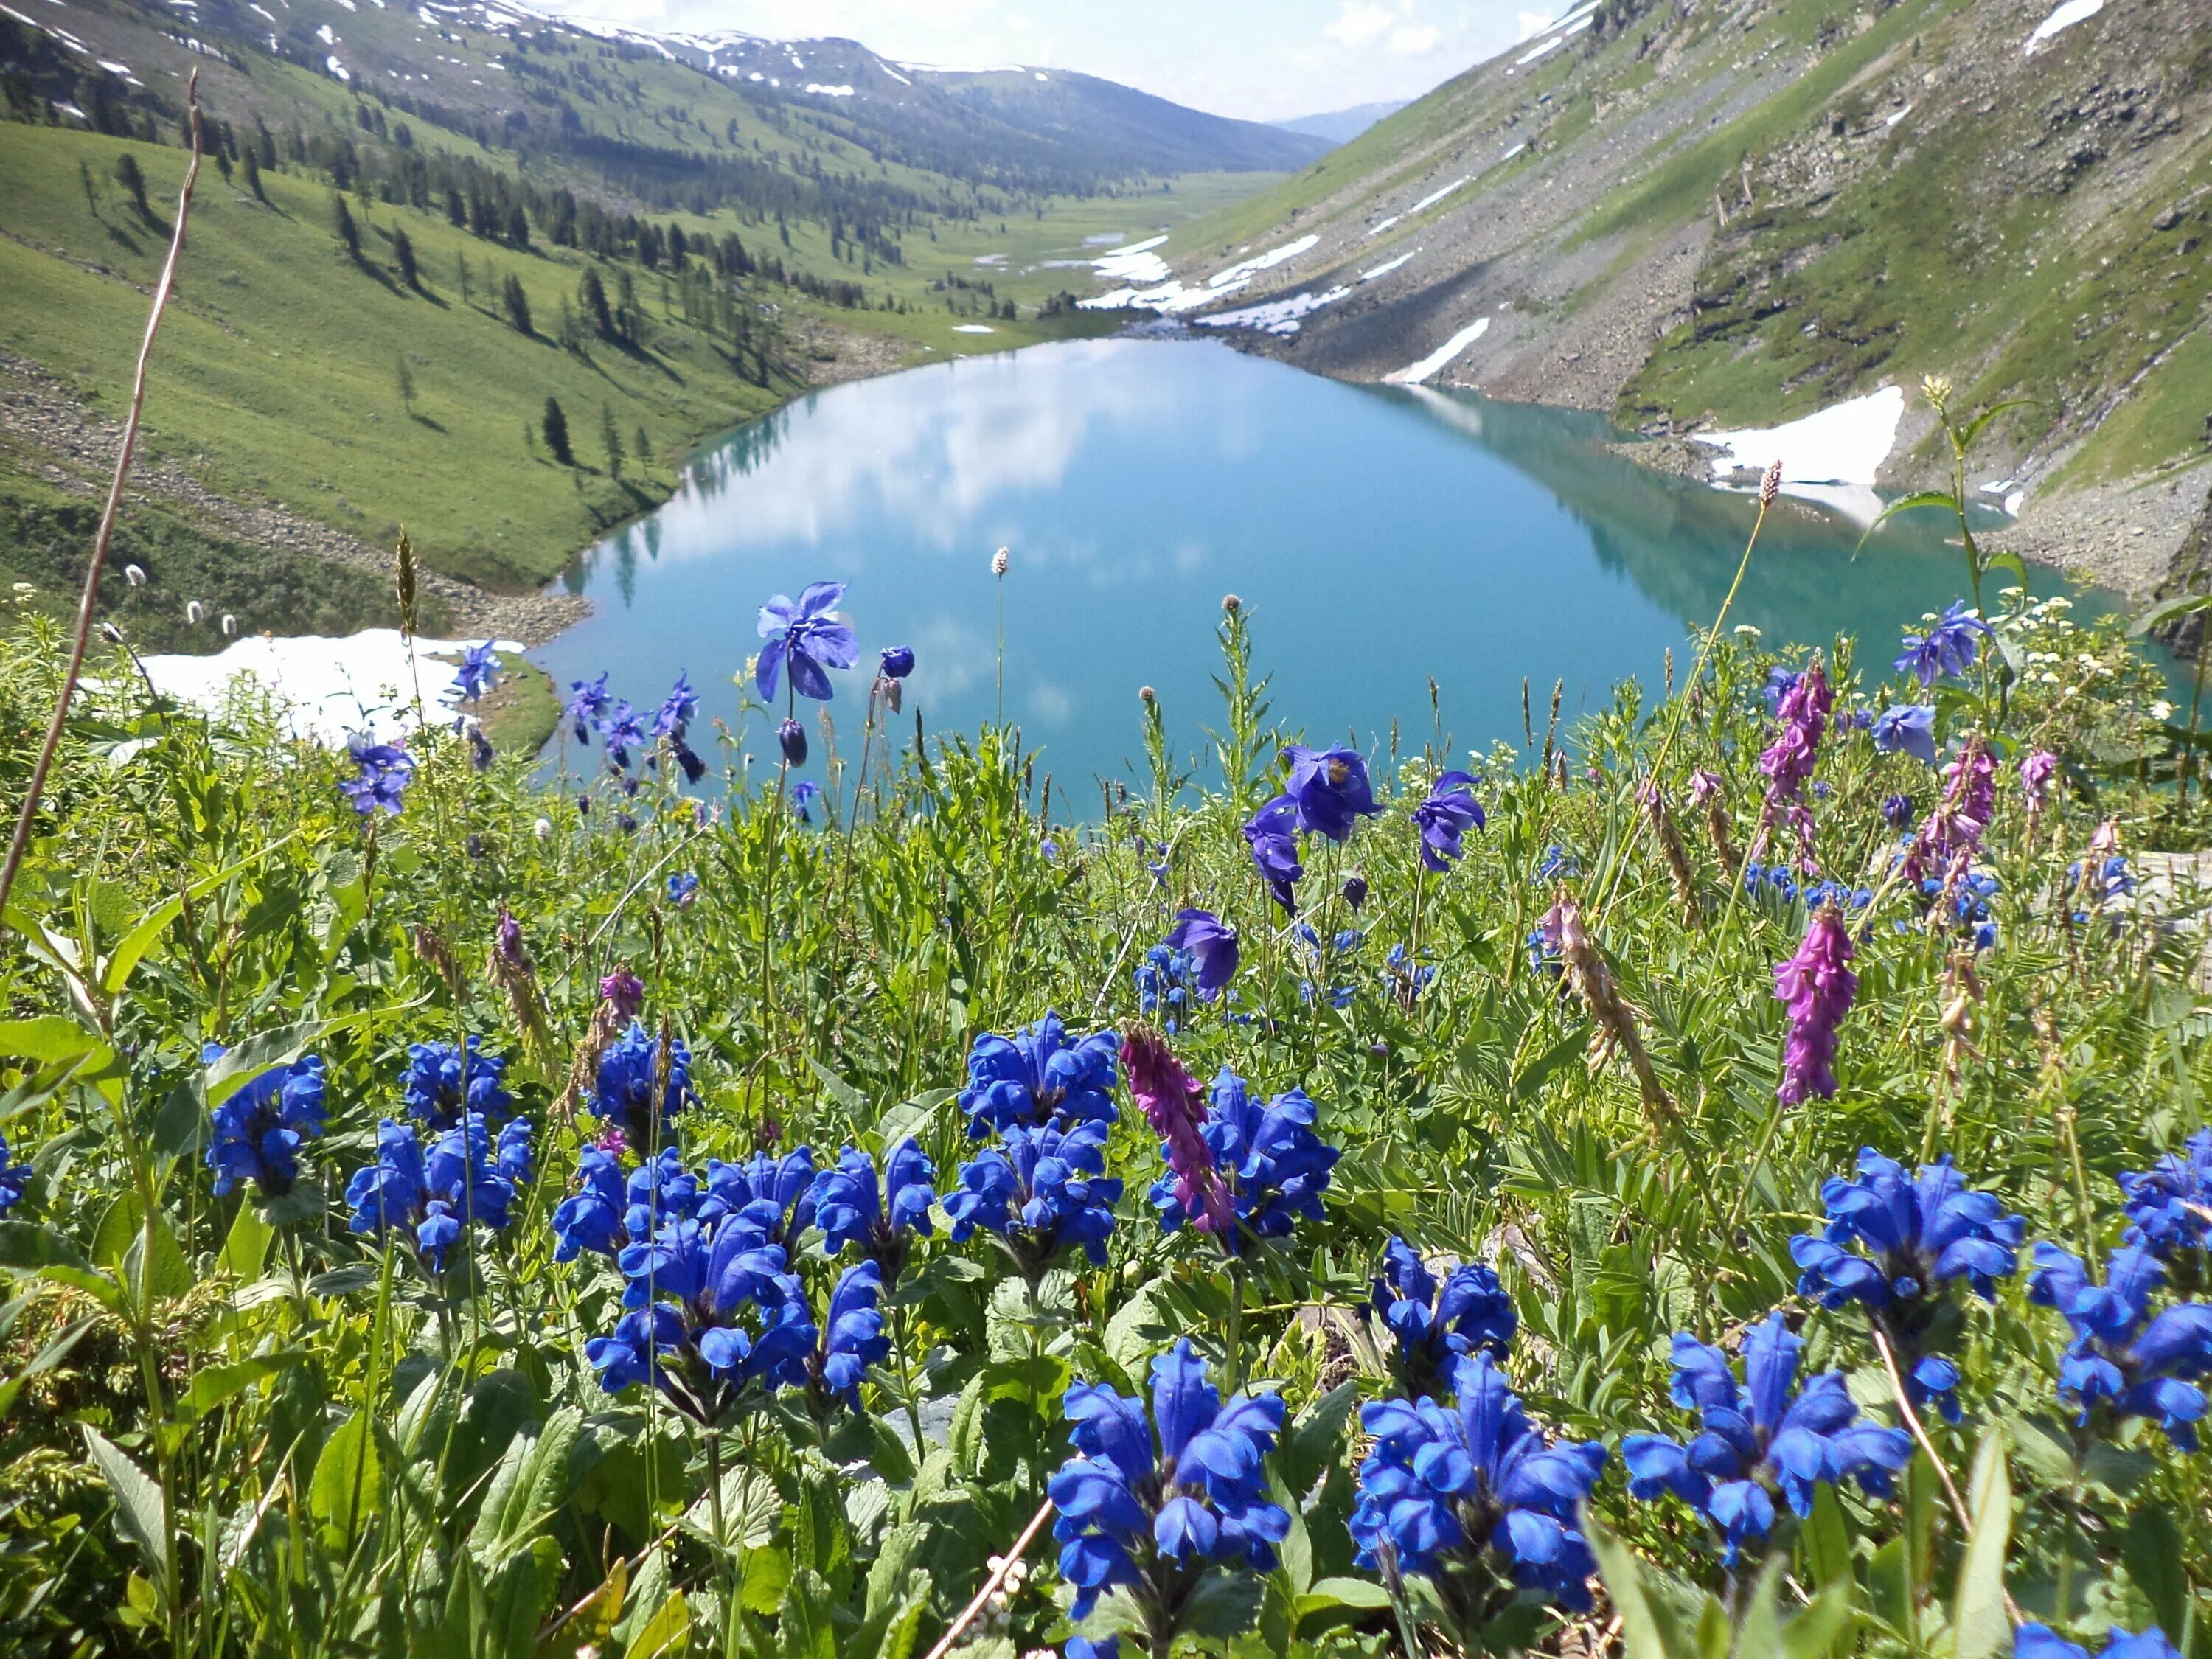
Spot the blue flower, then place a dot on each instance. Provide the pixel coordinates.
(1448, 1482)
(1271, 835)
(440, 1084)
(2169, 1206)
(1039, 1077)
(1212, 943)
(897, 661)
(791, 738)
(14, 1178)
(1918, 1234)
(1896, 811)
(621, 731)
(2033, 1641)
(258, 1131)
(853, 1207)
(773, 1195)
(1948, 647)
(1328, 790)
(805, 637)
(682, 890)
(1907, 729)
(853, 1334)
(2109, 879)
(1780, 683)
(1271, 1163)
(1557, 862)
(386, 770)
(588, 701)
(437, 1196)
(1165, 981)
(591, 1218)
(478, 671)
(2121, 1357)
(624, 1097)
(1146, 1505)
(1472, 1316)
(1403, 978)
(1082, 1647)
(804, 794)
(1757, 1440)
(1042, 1191)
(677, 709)
(1448, 814)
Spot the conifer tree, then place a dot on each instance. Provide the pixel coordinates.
(516, 304)
(128, 175)
(406, 384)
(611, 438)
(557, 432)
(644, 445)
(253, 163)
(403, 255)
(342, 221)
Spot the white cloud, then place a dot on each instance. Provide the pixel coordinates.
(1418, 38)
(1532, 22)
(1359, 23)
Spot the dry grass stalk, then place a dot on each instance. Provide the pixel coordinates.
(1593, 982)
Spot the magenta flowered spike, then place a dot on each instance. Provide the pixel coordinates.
(1817, 986)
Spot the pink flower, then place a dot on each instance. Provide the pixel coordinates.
(1816, 986)
(1788, 761)
(1173, 1102)
(2036, 767)
(623, 993)
(1969, 798)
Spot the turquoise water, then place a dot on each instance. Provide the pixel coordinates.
(1377, 536)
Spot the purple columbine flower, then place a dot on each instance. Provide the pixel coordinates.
(1907, 729)
(790, 738)
(804, 639)
(804, 794)
(1173, 1102)
(1271, 833)
(588, 701)
(1212, 942)
(621, 731)
(898, 661)
(386, 770)
(478, 672)
(1948, 647)
(1817, 986)
(1896, 811)
(1328, 790)
(1448, 814)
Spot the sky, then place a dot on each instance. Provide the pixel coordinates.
(1264, 60)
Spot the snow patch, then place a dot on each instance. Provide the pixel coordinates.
(114, 68)
(1830, 456)
(1892, 120)
(1414, 373)
(332, 686)
(1433, 197)
(973, 328)
(1511, 154)
(1529, 58)
(2012, 503)
(2072, 12)
(1040, 75)
(1136, 262)
(829, 92)
(1385, 226)
(1242, 272)
(326, 36)
(1276, 317)
(894, 74)
(1386, 267)
(341, 71)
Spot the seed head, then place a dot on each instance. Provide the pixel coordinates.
(1000, 561)
(1231, 603)
(1145, 694)
(1770, 485)
(195, 612)
(111, 633)
(135, 574)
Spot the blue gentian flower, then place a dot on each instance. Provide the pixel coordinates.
(1212, 943)
(804, 794)
(684, 889)
(2033, 1641)
(1082, 1647)
(854, 1207)
(257, 1132)
(623, 1096)
(1780, 683)
(774, 1196)
(436, 1197)
(14, 1177)
(2110, 878)
(1948, 647)
(1271, 835)
(621, 731)
(1041, 1191)
(386, 770)
(1147, 1505)
(1039, 1077)
(1478, 1478)
(1166, 980)
(1270, 1161)
(1896, 811)
(1403, 977)
(852, 1335)
(2122, 1358)
(478, 671)
(1907, 729)
(1445, 816)
(1328, 790)
(588, 701)
(806, 638)
(591, 1218)
(440, 1084)
(1472, 1316)
(897, 661)
(2169, 1206)
(1918, 1234)
(1760, 1438)
(1556, 863)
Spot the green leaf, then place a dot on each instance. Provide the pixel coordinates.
(1980, 1626)
(1819, 1626)
(1348, 1593)
(217, 1383)
(346, 1488)
(45, 1360)
(2156, 1559)
(909, 1117)
(1826, 1539)
(1759, 1634)
(26, 1246)
(47, 1038)
(140, 1508)
(1973, 428)
(1919, 498)
(123, 961)
(1224, 1605)
(854, 1103)
(240, 1065)
(667, 1631)
(1309, 1444)
(1648, 1630)
(2172, 609)
(246, 1249)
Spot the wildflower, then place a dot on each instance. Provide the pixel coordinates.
(481, 753)
(1449, 813)
(1788, 762)
(1165, 981)
(14, 1177)
(1557, 862)
(1956, 826)
(1328, 790)
(852, 1334)
(386, 770)
(1212, 944)
(804, 794)
(2033, 1641)
(441, 1084)
(1267, 1160)
(2122, 1358)
(1275, 849)
(1896, 811)
(135, 574)
(1172, 1101)
(1472, 1316)
(790, 738)
(621, 731)
(624, 1094)
(1816, 986)
(1907, 729)
(1355, 891)
(677, 709)
(683, 890)
(2036, 769)
(588, 701)
(1758, 1441)
(1917, 1234)
(1039, 1077)
(1473, 1482)
(1403, 977)
(1947, 648)
(897, 661)
(258, 1130)
(853, 1207)
(1000, 561)
(592, 1217)
(774, 1196)
(542, 829)
(1780, 683)
(478, 671)
(1041, 1191)
(2169, 1206)
(1146, 1505)
(436, 1197)
(804, 639)
(2107, 879)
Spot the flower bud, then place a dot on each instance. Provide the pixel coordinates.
(1770, 485)
(1231, 603)
(195, 612)
(898, 661)
(791, 736)
(543, 829)
(1000, 561)
(135, 574)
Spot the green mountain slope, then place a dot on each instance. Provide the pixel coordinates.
(1736, 214)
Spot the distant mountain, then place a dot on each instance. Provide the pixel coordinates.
(1342, 126)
